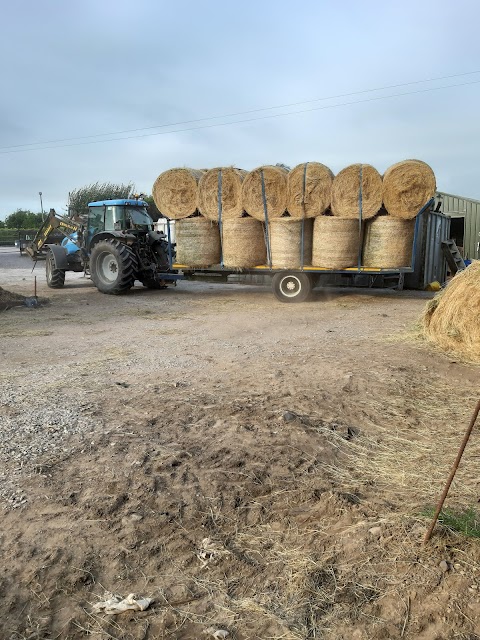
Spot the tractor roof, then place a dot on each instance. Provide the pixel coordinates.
(111, 203)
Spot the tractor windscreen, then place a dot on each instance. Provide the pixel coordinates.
(140, 217)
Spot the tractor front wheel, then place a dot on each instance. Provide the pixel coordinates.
(55, 277)
(113, 267)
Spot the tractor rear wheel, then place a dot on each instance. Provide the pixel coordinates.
(113, 267)
(55, 277)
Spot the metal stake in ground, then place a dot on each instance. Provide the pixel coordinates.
(452, 472)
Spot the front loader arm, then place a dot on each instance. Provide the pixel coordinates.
(65, 225)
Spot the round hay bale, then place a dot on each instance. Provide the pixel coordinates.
(336, 242)
(175, 192)
(243, 243)
(232, 206)
(450, 320)
(407, 187)
(388, 242)
(198, 242)
(318, 190)
(275, 191)
(346, 192)
(286, 243)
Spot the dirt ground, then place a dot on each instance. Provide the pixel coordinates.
(255, 467)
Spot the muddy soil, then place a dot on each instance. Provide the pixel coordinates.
(255, 467)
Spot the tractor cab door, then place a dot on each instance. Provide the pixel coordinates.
(104, 218)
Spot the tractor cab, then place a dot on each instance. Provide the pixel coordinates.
(128, 216)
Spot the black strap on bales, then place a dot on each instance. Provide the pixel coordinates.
(304, 189)
(265, 215)
(360, 218)
(169, 239)
(220, 211)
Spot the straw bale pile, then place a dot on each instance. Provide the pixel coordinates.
(198, 242)
(336, 242)
(313, 198)
(232, 206)
(175, 192)
(407, 187)
(451, 319)
(388, 242)
(275, 190)
(243, 243)
(346, 191)
(286, 242)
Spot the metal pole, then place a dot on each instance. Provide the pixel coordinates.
(41, 205)
(452, 472)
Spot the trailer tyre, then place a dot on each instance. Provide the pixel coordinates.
(55, 277)
(292, 287)
(113, 267)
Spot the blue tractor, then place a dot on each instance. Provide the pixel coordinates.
(115, 244)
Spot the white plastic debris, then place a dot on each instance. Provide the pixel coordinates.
(116, 604)
(217, 634)
(209, 551)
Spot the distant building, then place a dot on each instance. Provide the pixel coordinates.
(465, 224)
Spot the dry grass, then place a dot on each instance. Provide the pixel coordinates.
(407, 187)
(451, 319)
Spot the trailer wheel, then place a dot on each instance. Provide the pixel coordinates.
(292, 287)
(55, 277)
(113, 267)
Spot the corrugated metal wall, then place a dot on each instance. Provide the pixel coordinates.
(458, 207)
(429, 262)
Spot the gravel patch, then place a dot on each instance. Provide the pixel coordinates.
(32, 428)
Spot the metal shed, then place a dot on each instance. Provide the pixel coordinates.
(465, 224)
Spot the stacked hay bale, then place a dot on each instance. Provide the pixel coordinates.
(388, 242)
(175, 193)
(450, 320)
(198, 242)
(407, 187)
(226, 182)
(346, 210)
(290, 243)
(336, 242)
(271, 182)
(243, 243)
(309, 190)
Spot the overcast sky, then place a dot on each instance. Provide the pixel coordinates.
(81, 68)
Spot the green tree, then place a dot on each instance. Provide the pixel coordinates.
(2, 224)
(79, 198)
(23, 219)
(152, 208)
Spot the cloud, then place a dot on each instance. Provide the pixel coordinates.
(83, 68)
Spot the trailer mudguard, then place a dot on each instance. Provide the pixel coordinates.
(59, 255)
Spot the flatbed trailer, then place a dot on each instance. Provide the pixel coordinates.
(295, 285)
